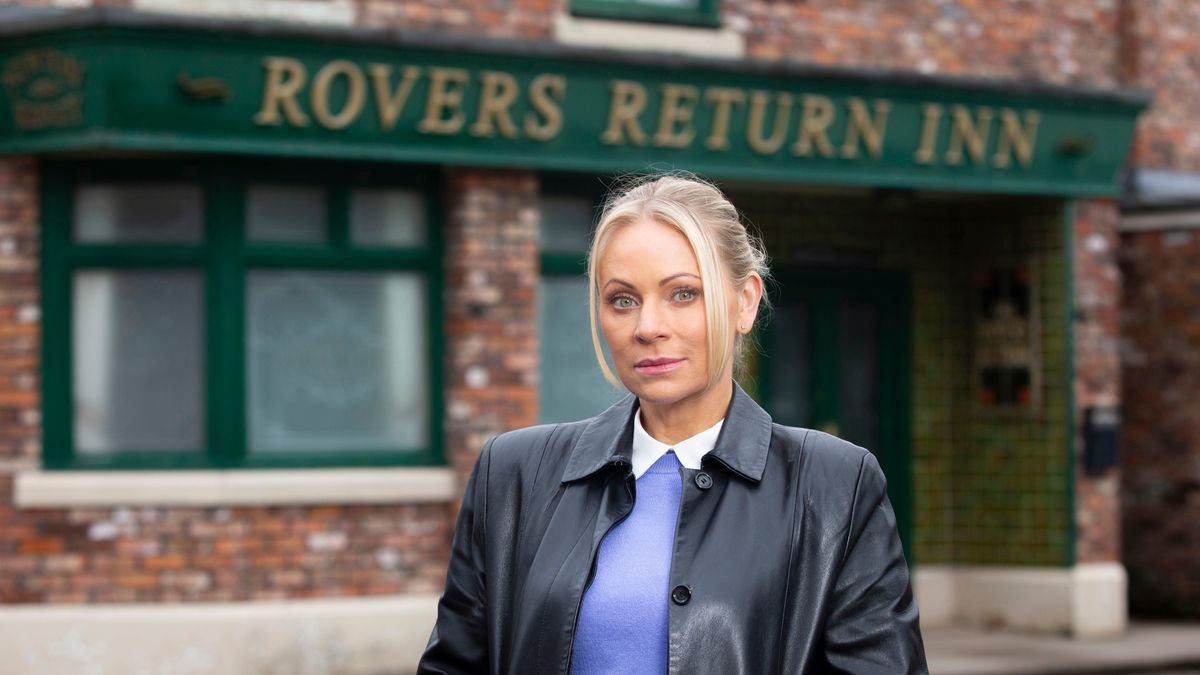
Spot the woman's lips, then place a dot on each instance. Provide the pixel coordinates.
(657, 366)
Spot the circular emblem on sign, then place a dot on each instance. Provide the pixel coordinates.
(45, 89)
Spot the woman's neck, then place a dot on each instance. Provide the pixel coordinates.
(674, 422)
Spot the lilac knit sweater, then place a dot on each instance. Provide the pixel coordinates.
(623, 621)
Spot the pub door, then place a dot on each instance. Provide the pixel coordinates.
(836, 358)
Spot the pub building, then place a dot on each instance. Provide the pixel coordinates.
(268, 288)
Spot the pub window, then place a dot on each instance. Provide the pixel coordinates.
(203, 316)
(571, 386)
(689, 12)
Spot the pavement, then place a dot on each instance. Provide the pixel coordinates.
(1158, 648)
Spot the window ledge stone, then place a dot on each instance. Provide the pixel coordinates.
(81, 489)
(634, 36)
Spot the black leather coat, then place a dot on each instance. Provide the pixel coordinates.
(786, 555)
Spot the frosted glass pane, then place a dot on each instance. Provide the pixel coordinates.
(336, 361)
(572, 387)
(566, 224)
(285, 214)
(138, 352)
(142, 213)
(387, 218)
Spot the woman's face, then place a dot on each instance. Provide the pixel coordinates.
(652, 313)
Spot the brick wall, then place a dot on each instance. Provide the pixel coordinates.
(1160, 333)
(491, 269)
(20, 315)
(20, 417)
(507, 19)
(1097, 282)
(1163, 56)
(1160, 440)
(1061, 42)
(1072, 41)
(177, 554)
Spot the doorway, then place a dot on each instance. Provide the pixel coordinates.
(837, 359)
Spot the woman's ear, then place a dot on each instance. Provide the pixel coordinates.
(748, 301)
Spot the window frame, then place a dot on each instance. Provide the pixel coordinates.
(225, 259)
(705, 14)
(581, 186)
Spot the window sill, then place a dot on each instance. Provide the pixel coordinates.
(76, 489)
(634, 36)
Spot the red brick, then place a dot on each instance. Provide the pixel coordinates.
(40, 546)
(167, 562)
(137, 581)
(1160, 439)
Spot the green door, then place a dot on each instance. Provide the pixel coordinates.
(837, 360)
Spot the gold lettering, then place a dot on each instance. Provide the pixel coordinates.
(755, 124)
(540, 91)
(862, 125)
(285, 79)
(817, 115)
(1016, 140)
(931, 121)
(721, 99)
(446, 89)
(356, 91)
(965, 132)
(675, 128)
(628, 100)
(389, 104)
(499, 92)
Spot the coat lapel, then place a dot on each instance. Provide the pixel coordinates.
(742, 445)
(608, 439)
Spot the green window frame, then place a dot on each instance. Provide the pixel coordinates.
(578, 186)
(701, 13)
(225, 260)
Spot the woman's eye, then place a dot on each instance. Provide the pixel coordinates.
(685, 294)
(622, 302)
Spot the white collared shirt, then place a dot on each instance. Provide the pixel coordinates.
(647, 450)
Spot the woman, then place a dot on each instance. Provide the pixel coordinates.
(681, 530)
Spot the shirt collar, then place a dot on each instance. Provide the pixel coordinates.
(647, 449)
(607, 440)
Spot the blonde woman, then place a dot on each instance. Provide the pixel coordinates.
(679, 531)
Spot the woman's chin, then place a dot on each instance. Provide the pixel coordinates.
(661, 393)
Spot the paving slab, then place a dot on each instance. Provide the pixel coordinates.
(1146, 647)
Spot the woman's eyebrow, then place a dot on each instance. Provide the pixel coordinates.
(664, 282)
(618, 281)
(671, 278)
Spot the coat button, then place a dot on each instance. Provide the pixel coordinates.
(703, 481)
(681, 595)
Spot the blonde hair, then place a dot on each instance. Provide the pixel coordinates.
(725, 252)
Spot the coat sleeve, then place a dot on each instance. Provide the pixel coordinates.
(459, 642)
(873, 625)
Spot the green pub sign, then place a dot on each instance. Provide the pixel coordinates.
(175, 89)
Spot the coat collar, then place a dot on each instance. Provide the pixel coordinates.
(741, 447)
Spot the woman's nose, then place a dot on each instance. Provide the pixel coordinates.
(650, 326)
